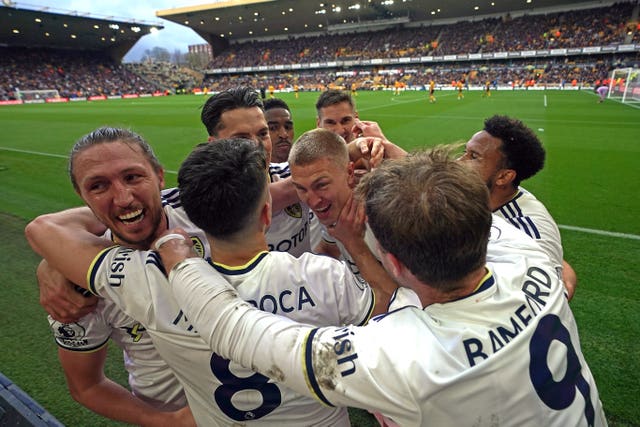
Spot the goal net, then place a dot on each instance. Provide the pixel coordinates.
(625, 85)
(31, 95)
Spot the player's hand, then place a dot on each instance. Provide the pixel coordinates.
(366, 128)
(370, 149)
(59, 297)
(174, 246)
(350, 227)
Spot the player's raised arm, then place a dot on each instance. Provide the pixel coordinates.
(66, 241)
(283, 194)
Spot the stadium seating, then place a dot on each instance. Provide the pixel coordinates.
(86, 74)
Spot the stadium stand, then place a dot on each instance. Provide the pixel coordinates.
(563, 49)
(77, 55)
(549, 48)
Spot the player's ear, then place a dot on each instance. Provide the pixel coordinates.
(265, 213)
(393, 266)
(351, 175)
(506, 177)
(160, 173)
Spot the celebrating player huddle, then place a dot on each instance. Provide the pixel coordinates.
(444, 315)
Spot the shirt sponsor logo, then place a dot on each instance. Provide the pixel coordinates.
(287, 301)
(118, 265)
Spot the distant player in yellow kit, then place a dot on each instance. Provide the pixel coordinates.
(432, 89)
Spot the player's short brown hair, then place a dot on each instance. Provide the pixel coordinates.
(105, 135)
(431, 212)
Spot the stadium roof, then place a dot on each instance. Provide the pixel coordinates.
(47, 27)
(250, 19)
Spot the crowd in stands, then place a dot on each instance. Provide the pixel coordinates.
(84, 74)
(518, 73)
(172, 75)
(72, 73)
(602, 26)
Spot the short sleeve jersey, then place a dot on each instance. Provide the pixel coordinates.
(150, 378)
(289, 230)
(528, 214)
(312, 289)
(402, 297)
(507, 354)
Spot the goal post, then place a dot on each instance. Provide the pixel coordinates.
(31, 95)
(624, 85)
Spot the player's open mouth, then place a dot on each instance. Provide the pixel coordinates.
(322, 213)
(132, 217)
(322, 210)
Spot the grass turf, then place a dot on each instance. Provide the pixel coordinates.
(589, 182)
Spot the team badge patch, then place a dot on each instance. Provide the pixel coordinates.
(70, 335)
(198, 246)
(294, 211)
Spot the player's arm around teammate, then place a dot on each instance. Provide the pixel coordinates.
(89, 386)
(49, 236)
(59, 298)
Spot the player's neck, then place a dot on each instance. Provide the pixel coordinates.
(500, 196)
(429, 295)
(237, 252)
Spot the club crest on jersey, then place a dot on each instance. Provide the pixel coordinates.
(294, 211)
(198, 246)
(70, 334)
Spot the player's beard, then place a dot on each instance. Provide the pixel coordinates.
(143, 243)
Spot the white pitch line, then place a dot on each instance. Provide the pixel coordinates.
(60, 156)
(37, 153)
(600, 232)
(566, 227)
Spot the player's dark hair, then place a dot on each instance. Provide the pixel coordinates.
(332, 97)
(106, 134)
(521, 147)
(431, 214)
(275, 103)
(221, 185)
(230, 99)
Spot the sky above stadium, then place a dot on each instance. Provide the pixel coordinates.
(172, 37)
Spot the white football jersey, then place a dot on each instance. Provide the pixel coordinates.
(312, 289)
(528, 214)
(508, 354)
(150, 378)
(289, 230)
(402, 297)
(315, 230)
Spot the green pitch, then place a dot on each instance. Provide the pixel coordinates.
(589, 184)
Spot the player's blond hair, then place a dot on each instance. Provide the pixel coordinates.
(318, 144)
